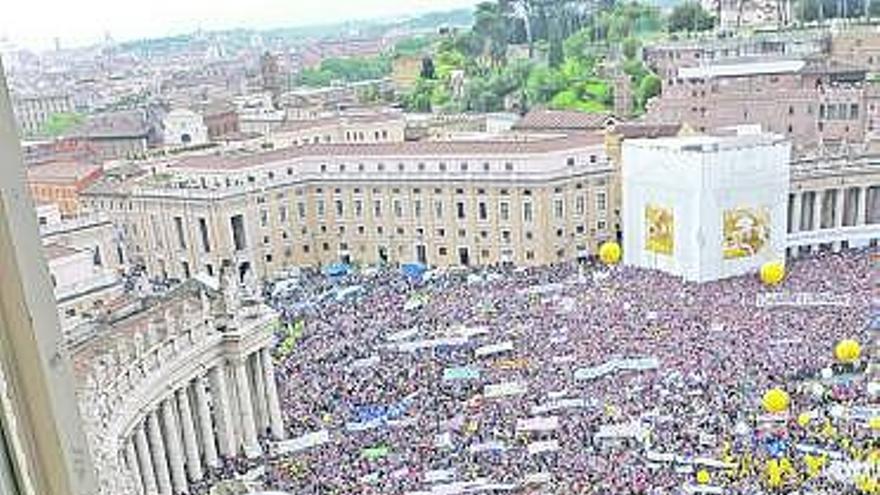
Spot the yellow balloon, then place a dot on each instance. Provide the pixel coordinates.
(804, 419)
(775, 400)
(703, 477)
(847, 351)
(874, 423)
(609, 252)
(772, 272)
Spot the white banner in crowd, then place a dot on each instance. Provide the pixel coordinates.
(492, 349)
(443, 440)
(811, 449)
(303, 442)
(537, 479)
(469, 332)
(559, 405)
(543, 446)
(615, 365)
(540, 423)
(708, 489)
(490, 446)
(631, 429)
(438, 475)
(504, 389)
(402, 335)
(431, 343)
(672, 458)
(368, 362)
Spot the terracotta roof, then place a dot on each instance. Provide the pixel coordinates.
(406, 148)
(646, 129)
(301, 125)
(124, 124)
(55, 251)
(61, 171)
(543, 119)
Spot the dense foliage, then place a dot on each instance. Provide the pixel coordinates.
(558, 53)
(690, 16)
(351, 69)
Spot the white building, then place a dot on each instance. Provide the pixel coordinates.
(705, 207)
(84, 262)
(184, 127)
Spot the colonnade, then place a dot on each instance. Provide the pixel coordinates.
(832, 208)
(220, 413)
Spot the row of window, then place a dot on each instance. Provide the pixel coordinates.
(438, 207)
(505, 235)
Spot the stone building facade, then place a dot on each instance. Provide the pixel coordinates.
(528, 202)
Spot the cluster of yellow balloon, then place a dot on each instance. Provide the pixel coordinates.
(703, 477)
(609, 252)
(775, 401)
(772, 273)
(847, 351)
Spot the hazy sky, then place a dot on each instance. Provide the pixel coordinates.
(35, 23)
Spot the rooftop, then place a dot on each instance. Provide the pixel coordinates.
(55, 251)
(704, 143)
(741, 69)
(406, 148)
(632, 130)
(62, 171)
(301, 125)
(124, 124)
(543, 119)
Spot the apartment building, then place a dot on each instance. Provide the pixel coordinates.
(534, 201)
(60, 182)
(812, 102)
(367, 128)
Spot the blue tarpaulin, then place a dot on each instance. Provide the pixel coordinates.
(337, 270)
(414, 270)
(382, 412)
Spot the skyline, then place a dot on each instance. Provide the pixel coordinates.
(29, 27)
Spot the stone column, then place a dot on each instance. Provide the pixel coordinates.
(209, 447)
(131, 459)
(172, 443)
(226, 441)
(839, 196)
(160, 461)
(796, 214)
(817, 217)
(246, 409)
(275, 422)
(146, 462)
(190, 441)
(261, 413)
(861, 206)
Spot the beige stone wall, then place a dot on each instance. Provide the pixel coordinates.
(279, 237)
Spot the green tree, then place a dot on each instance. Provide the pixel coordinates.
(631, 48)
(690, 16)
(59, 123)
(649, 87)
(490, 26)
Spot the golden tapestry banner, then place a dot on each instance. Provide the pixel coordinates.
(659, 229)
(746, 231)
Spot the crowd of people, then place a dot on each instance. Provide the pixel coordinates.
(501, 381)
(426, 384)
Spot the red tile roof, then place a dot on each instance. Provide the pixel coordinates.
(543, 119)
(407, 148)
